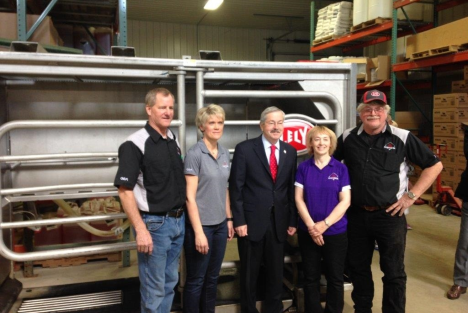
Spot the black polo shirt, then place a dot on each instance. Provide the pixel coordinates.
(152, 166)
(378, 164)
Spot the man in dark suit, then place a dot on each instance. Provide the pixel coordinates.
(261, 187)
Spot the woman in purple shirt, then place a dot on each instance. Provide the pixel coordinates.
(322, 197)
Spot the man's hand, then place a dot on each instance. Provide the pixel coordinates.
(201, 244)
(144, 241)
(241, 231)
(318, 229)
(318, 240)
(403, 203)
(230, 230)
(291, 231)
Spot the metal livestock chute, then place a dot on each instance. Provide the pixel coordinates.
(63, 117)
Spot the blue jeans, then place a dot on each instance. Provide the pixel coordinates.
(203, 270)
(460, 274)
(159, 271)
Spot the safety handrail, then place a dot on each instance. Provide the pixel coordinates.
(60, 221)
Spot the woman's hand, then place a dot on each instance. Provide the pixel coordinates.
(318, 240)
(231, 231)
(201, 244)
(318, 229)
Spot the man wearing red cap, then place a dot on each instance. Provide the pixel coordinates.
(376, 155)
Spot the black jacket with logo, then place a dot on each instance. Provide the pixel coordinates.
(462, 190)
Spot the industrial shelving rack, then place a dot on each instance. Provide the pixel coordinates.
(390, 31)
(82, 12)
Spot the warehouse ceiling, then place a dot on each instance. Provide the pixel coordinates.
(259, 14)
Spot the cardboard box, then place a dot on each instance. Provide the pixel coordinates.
(452, 143)
(408, 119)
(447, 129)
(438, 37)
(364, 65)
(380, 70)
(44, 34)
(453, 100)
(449, 158)
(450, 115)
(465, 72)
(460, 86)
(449, 173)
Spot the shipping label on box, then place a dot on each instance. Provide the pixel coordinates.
(453, 100)
(450, 115)
(449, 173)
(460, 86)
(450, 142)
(449, 158)
(446, 129)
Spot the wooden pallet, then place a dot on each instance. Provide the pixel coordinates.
(75, 261)
(435, 52)
(324, 39)
(364, 25)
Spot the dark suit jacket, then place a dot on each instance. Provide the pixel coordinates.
(253, 192)
(462, 190)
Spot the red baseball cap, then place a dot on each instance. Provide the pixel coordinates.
(373, 95)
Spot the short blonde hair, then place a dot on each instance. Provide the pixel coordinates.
(150, 99)
(320, 130)
(203, 114)
(363, 105)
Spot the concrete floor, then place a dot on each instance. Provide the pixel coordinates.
(430, 255)
(429, 266)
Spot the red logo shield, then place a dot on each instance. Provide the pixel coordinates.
(295, 132)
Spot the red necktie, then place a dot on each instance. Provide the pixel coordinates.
(273, 163)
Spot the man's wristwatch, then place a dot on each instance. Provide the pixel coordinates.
(412, 196)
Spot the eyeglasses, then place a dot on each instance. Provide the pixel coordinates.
(273, 123)
(377, 110)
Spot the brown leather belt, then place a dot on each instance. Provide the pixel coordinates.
(373, 208)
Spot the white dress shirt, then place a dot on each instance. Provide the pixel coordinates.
(267, 147)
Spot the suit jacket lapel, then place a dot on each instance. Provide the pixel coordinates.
(282, 154)
(260, 151)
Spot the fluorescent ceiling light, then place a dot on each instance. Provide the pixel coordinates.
(213, 4)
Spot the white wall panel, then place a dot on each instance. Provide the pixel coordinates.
(169, 40)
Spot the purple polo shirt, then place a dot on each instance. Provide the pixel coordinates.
(321, 191)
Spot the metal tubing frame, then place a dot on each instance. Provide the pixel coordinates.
(70, 252)
(329, 99)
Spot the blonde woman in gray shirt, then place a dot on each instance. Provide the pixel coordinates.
(210, 221)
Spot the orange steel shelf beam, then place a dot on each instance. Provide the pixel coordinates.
(401, 3)
(449, 4)
(431, 61)
(350, 37)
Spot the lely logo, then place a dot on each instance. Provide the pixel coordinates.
(390, 146)
(333, 177)
(375, 94)
(295, 132)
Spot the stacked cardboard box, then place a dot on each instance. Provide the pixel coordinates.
(335, 19)
(449, 111)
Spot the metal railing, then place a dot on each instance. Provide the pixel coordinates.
(16, 193)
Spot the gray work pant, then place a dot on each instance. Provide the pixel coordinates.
(460, 273)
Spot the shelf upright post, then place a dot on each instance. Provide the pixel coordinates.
(393, 61)
(21, 19)
(122, 38)
(312, 28)
(433, 73)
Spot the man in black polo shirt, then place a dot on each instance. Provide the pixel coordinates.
(376, 155)
(151, 185)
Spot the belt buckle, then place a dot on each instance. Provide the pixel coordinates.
(370, 208)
